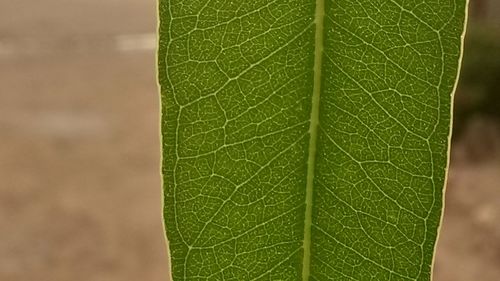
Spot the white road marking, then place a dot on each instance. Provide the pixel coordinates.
(56, 123)
(122, 43)
(136, 42)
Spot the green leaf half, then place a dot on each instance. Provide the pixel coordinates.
(306, 140)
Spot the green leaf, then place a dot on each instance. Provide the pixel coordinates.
(303, 139)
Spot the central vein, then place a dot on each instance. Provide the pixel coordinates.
(313, 131)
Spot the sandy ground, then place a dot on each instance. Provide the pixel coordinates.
(79, 153)
(469, 242)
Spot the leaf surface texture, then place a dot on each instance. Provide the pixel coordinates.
(306, 140)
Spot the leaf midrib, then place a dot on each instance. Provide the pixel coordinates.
(313, 133)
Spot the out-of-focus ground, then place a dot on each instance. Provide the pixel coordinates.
(80, 195)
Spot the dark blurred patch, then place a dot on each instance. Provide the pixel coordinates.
(477, 101)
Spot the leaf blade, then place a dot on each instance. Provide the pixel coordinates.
(237, 83)
(391, 139)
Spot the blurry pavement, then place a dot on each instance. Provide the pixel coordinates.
(80, 195)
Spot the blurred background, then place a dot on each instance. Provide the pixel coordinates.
(80, 191)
